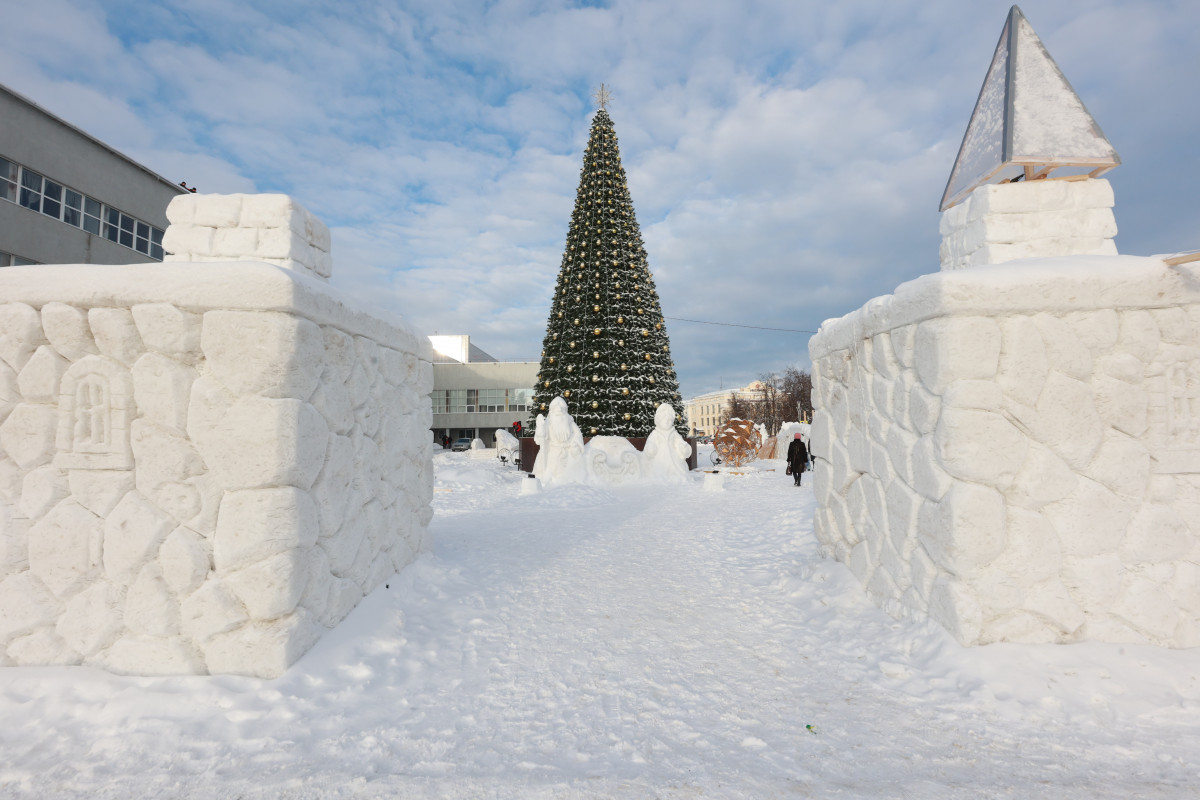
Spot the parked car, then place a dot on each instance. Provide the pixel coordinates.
(460, 445)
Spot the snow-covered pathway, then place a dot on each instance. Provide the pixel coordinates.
(585, 642)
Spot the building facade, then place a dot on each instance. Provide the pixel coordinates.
(474, 394)
(706, 413)
(68, 198)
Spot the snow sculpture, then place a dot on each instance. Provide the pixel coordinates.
(1014, 451)
(560, 459)
(1027, 122)
(1027, 116)
(508, 447)
(203, 466)
(612, 461)
(665, 454)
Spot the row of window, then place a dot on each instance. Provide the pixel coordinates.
(9, 260)
(19, 184)
(470, 401)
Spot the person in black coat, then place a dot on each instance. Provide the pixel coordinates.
(797, 458)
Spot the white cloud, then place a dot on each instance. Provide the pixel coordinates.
(785, 157)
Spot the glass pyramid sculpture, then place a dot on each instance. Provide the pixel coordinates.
(1027, 115)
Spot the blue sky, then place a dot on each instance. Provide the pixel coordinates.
(785, 157)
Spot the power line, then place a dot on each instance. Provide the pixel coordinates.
(736, 325)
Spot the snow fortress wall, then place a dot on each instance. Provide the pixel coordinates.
(1037, 219)
(203, 466)
(1014, 451)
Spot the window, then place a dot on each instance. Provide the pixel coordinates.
(492, 400)
(8, 180)
(9, 260)
(91, 216)
(441, 401)
(21, 185)
(31, 190)
(519, 399)
(51, 198)
(72, 208)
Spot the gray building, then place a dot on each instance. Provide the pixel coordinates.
(68, 198)
(474, 394)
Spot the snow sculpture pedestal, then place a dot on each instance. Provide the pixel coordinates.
(1003, 222)
(1014, 450)
(203, 466)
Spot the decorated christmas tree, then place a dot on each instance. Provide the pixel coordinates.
(606, 350)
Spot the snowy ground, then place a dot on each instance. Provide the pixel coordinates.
(621, 643)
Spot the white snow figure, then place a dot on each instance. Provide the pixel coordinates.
(508, 446)
(664, 458)
(560, 459)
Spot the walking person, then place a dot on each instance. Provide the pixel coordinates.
(797, 458)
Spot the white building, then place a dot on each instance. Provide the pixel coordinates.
(474, 393)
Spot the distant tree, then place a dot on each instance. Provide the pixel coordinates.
(738, 407)
(797, 387)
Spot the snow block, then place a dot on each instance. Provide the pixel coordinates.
(175, 440)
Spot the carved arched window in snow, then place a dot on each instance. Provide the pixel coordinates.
(93, 416)
(94, 411)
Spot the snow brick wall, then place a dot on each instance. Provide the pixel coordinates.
(203, 466)
(1014, 451)
(1034, 219)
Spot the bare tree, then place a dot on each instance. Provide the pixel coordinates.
(738, 407)
(797, 386)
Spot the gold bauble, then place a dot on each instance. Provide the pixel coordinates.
(640, 311)
(621, 320)
(626, 416)
(645, 332)
(551, 359)
(647, 356)
(560, 315)
(543, 406)
(658, 326)
(652, 379)
(572, 345)
(576, 321)
(545, 385)
(596, 308)
(595, 332)
(595, 354)
(595, 379)
(593, 431)
(595, 405)
(620, 342)
(571, 367)
(624, 366)
(625, 392)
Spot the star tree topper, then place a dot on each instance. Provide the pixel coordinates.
(602, 96)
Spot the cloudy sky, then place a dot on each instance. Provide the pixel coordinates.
(786, 158)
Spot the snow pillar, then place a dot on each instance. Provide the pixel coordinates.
(1003, 222)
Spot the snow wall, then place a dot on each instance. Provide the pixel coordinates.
(203, 466)
(1014, 450)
